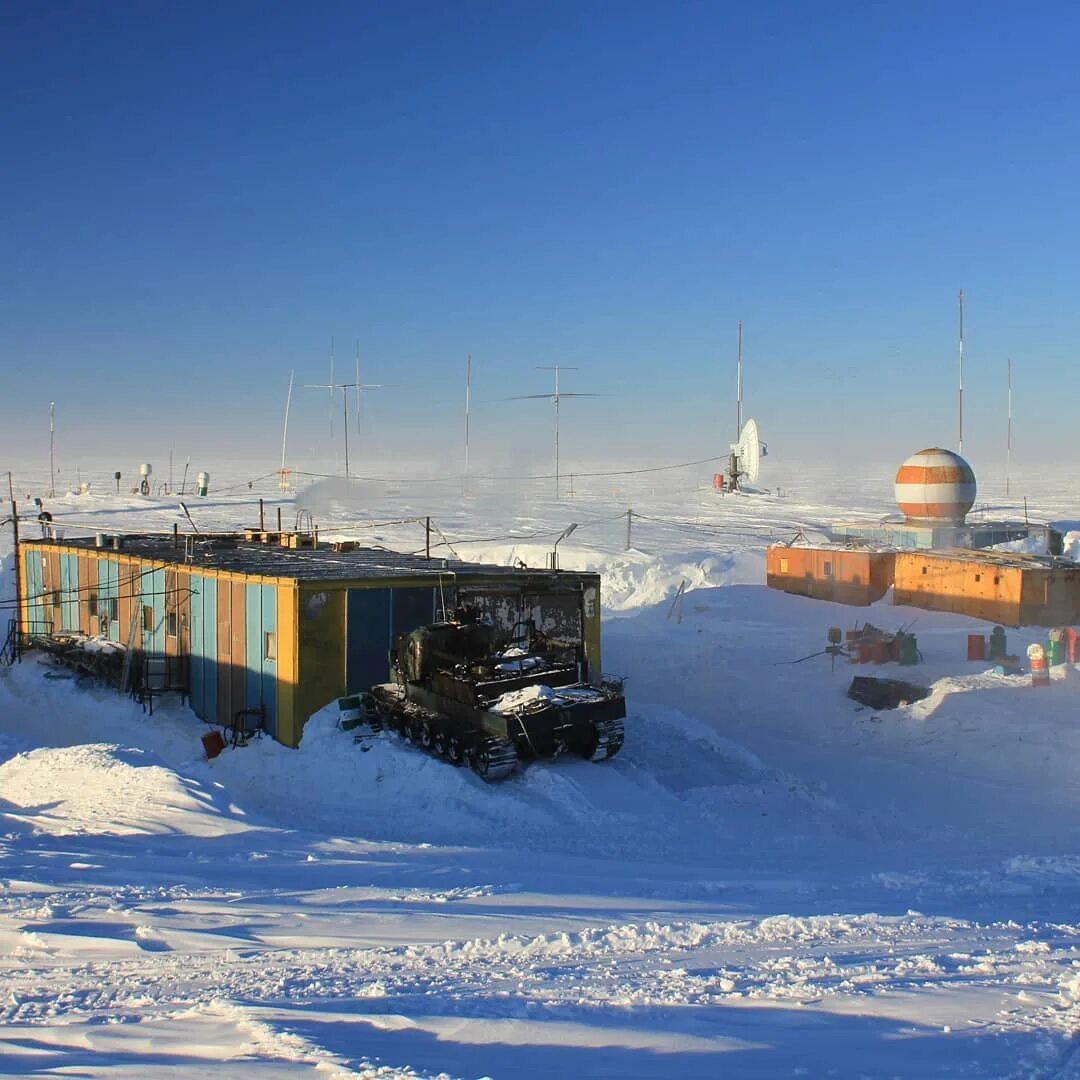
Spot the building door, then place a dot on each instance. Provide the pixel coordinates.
(367, 638)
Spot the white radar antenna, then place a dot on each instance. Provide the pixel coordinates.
(746, 455)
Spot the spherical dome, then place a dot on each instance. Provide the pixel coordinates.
(935, 485)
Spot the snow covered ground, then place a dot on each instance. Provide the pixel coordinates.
(769, 880)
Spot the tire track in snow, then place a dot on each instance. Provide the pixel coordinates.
(780, 958)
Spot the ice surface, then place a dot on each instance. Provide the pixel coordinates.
(767, 881)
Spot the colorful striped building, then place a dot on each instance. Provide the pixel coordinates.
(239, 624)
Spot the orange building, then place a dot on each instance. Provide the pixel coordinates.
(857, 576)
(998, 587)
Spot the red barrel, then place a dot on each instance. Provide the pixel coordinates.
(976, 647)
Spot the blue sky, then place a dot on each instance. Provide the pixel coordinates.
(197, 197)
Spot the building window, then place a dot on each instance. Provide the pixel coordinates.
(783, 566)
(103, 625)
(148, 618)
(270, 645)
(91, 605)
(114, 608)
(978, 577)
(828, 569)
(170, 624)
(997, 580)
(924, 570)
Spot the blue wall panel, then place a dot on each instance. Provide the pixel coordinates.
(411, 608)
(69, 588)
(367, 638)
(253, 641)
(198, 632)
(35, 588)
(108, 595)
(269, 663)
(204, 646)
(373, 620)
(152, 595)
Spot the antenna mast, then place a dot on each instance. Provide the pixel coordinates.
(332, 384)
(344, 388)
(1008, 438)
(52, 433)
(557, 431)
(284, 433)
(960, 446)
(556, 398)
(738, 388)
(358, 391)
(468, 394)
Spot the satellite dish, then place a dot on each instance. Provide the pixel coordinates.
(746, 455)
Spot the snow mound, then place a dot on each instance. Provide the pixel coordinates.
(105, 789)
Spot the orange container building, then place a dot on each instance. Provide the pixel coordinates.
(998, 587)
(858, 576)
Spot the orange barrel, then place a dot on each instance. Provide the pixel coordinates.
(1040, 673)
(1070, 644)
(976, 647)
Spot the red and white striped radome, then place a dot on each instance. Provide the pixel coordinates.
(935, 485)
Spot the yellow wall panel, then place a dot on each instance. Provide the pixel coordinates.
(288, 726)
(321, 635)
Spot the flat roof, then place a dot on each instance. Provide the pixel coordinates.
(987, 556)
(234, 554)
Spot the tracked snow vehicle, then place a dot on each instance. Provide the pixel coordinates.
(465, 695)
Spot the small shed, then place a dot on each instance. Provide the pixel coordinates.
(237, 623)
(858, 576)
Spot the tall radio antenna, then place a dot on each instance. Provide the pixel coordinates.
(332, 386)
(52, 440)
(960, 446)
(468, 395)
(283, 479)
(556, 397)
(1008, 437)
(738, 387)
(358, 391)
